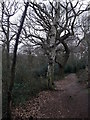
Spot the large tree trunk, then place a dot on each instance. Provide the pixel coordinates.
(50, 71)
(65, 59)
(52, 48)
(61, 71)
(14, 65)
(50, 74)
(51, 57)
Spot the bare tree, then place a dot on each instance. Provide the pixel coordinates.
(7, 32)
(9, 9)
(49, 26)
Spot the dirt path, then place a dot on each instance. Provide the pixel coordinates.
(69, 100)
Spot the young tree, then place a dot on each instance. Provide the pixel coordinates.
(10, 88)
(7, 32)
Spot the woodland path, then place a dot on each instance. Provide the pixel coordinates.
(68, 100)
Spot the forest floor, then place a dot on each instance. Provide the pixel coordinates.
(68, 100)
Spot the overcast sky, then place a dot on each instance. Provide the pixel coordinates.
(19, 14)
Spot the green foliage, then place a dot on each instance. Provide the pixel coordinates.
(29, 80)
(82, 75)
(40, 72)
(74, 65)
(70, 69)
(56, 69)
(30, 76)
(25, 90)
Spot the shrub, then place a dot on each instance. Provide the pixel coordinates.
(25, 90)
(75, 65)
(28, 81)
(82, 75)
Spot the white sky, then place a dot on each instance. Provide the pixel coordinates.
(19, 14)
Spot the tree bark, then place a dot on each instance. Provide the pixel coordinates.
(7, 51)
(51, 57)
(51, 53)
(62, 65)
(50, 74)
(14, 65)
(61, 71)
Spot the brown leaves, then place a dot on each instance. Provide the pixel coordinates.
(56, 104)
(32, 107)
